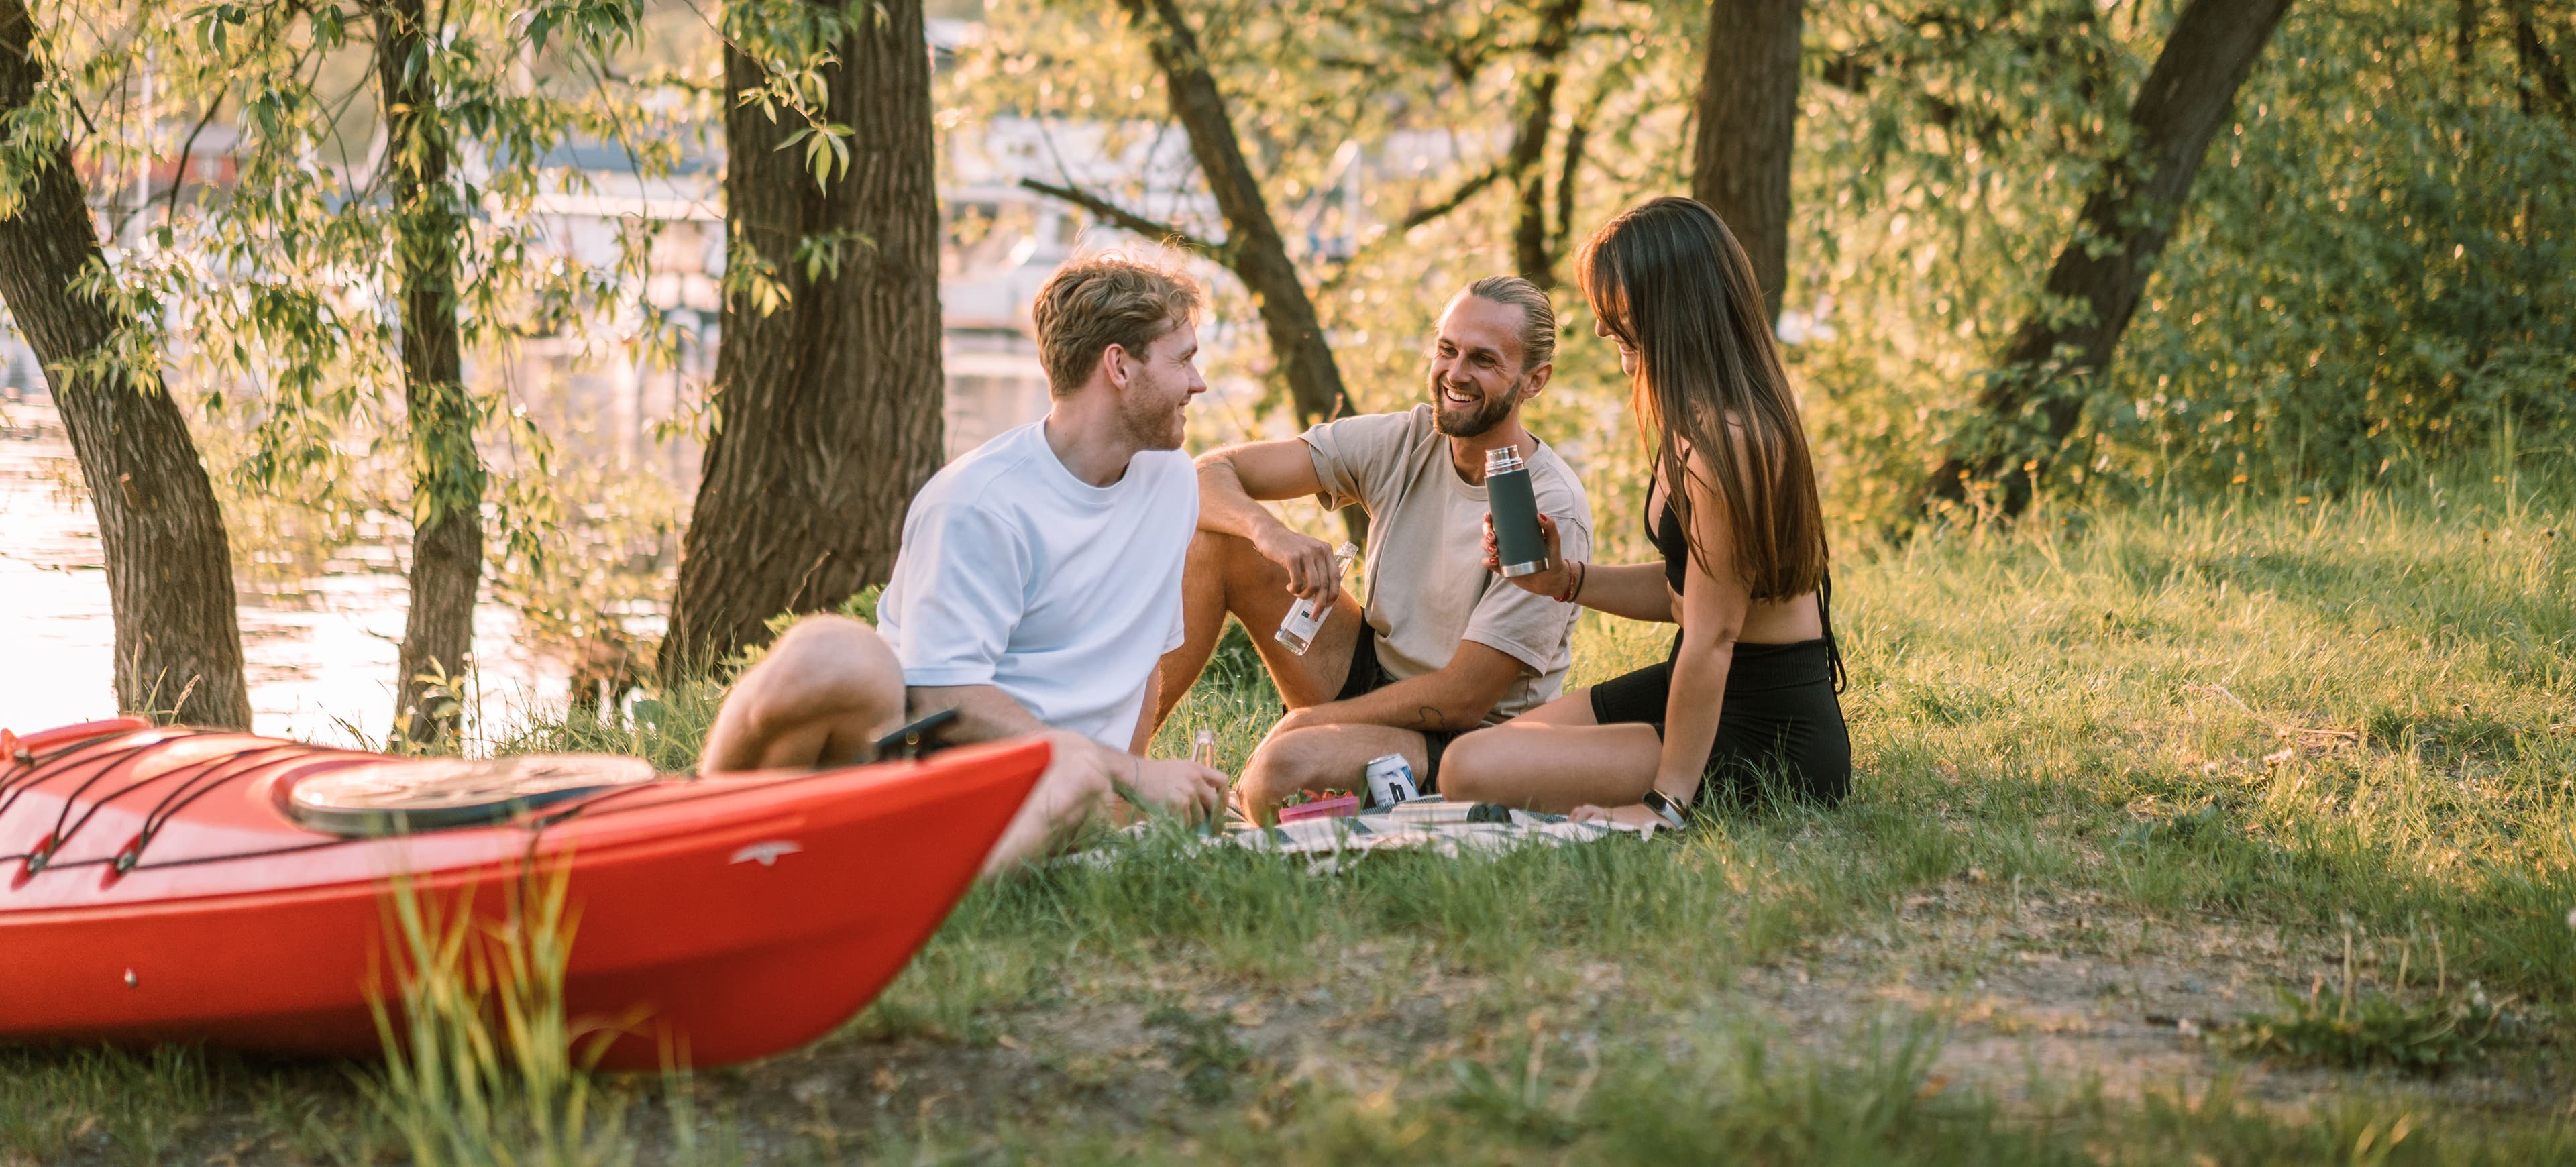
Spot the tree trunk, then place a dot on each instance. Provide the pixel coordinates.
(2539, 65)
(2027, 410)
(828, 406)
(447, 471)
(1748, 130)
(1253, 247)
(1533, 248)
(169, 566)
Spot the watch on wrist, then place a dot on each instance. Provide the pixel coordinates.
(1665, 808)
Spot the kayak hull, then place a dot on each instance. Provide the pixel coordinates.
(712, 920)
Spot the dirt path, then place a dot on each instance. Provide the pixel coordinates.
(2039, 999)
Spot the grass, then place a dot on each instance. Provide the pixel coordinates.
(2121, 777)
(482, 1063)
(2355, 1031)
(2345, 1027)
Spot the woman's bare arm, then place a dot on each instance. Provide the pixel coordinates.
(1633, 590)
(1715, 599)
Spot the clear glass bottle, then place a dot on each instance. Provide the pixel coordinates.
(1306, 617)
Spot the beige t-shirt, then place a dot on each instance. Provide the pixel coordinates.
(1424, 581)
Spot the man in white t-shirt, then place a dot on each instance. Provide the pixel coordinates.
(1440, 645)
(1038, 585)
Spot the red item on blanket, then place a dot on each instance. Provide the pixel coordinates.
(1328, 808)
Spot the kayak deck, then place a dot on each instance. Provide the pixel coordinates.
(154, 885)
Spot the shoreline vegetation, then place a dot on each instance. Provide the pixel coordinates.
(2189, 381)
(2236, 828)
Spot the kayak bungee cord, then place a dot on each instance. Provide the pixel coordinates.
(86, 764)
(161, 812)
(108, 753)
(53, 840)
(13, 783)
(696, 784)
(63, 833)
(178, 798)
(254, 912)
(53, 767)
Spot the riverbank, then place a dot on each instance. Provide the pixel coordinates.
(2236, 830)
(319, 650)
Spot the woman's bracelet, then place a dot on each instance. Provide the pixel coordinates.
(1574, 584)
(1675, 815)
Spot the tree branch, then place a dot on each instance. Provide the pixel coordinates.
(2032, 402)
(1130, 221)
(1850, 72)
(2540, 62)
(1412, 219)
(1430, 211)
(1855, 72)
(1577, 137)
(186, 150)
(1534, 110)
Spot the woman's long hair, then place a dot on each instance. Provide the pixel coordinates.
(1669, 280)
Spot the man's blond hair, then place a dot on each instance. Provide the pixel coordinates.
(1101, 300)
(1538, 316)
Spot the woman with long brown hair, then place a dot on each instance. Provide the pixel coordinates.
(1747, 701)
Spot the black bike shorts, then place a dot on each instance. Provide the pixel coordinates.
(1779, 727)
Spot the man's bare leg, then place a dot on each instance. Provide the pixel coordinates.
(1226, 576)
(1318, 757)
(1073, 794)
(823, 695)
(831, 687)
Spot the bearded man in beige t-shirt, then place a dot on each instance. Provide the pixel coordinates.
(1436, 645)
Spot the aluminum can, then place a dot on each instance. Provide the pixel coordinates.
(1390, 780)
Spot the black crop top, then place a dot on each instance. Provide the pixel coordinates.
(1664, 530)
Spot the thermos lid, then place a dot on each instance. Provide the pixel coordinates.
(1502, 460)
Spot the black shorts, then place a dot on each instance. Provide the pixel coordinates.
(1368, 676)
(1779, 727)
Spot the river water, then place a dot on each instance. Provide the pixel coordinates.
(320, 654)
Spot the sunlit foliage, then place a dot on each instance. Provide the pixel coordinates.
(2372, 266)
(2373, 270)
(263, 259)
(2379, 269)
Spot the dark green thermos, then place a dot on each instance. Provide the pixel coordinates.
(1519, 548)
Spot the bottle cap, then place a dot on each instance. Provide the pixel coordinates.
(1502, 460)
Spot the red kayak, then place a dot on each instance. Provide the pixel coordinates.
(175, 884)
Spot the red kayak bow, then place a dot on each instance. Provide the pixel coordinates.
(174, 884)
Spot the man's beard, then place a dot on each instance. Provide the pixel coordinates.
(1465, 423)
(1154, 426)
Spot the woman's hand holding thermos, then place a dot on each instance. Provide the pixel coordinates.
(1551, 582)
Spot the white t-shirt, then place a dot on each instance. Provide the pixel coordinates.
(1064, 595)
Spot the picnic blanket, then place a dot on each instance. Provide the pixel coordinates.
(1432, 823)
